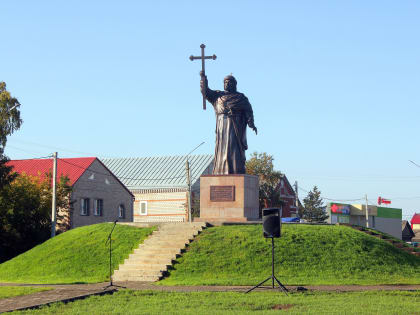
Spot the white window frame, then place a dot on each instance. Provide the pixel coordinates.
(84, 206)
(121, 211)
(145, 207)
(96, 211)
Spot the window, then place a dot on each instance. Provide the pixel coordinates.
(98, 207)
(84, 206)
(121, 211)
(143, 207)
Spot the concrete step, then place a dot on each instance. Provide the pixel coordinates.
(136, 278)
(162, 246)
(129, 273)
(154, 261)
(139, 266)
(175, 233)
(169, 238)
(180, 228)
(151, 250)
(165, 244)
(144, 278)
(187, 224)
(136, 256)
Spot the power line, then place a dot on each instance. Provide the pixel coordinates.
(332, 199)
(23, 150)
(36, 158)
(414, 163)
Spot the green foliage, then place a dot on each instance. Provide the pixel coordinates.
(10, 120)
(314, 209)
(25, 212)
(154, 302)
(304, 254)
(77, 256)
(6, 174)
(195, 206)
(7, 292)
(261, 164)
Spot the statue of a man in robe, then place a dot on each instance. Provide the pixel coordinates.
(233, 115)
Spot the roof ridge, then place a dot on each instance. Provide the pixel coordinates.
(154, 156)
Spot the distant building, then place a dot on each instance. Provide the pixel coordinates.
(415, 222)
(415, 225)
(407, 231)
(288, 196)
(97, 195)
(384, 219)
(159, 184)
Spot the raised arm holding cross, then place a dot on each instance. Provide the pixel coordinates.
(203, 70)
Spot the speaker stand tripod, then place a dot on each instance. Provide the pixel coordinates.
(272, 277)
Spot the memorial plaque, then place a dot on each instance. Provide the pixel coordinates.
(222, 193)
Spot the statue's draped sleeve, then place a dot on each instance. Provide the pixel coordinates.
(211, 95)
(249, 114)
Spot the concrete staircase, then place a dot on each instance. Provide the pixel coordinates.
(151, 259)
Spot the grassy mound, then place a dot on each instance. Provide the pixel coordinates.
(239, 255)
(77, 256)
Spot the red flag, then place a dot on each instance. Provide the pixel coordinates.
(384, 201)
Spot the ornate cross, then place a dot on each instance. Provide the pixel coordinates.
(203, 73)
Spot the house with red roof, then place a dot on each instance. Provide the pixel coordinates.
(415, 226)
(415, 222)
(97, 194)
(288, 196)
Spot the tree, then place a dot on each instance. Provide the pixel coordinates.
(314, 209)
(25, 212)
(261, 164)
(10, 120)
(6, 175)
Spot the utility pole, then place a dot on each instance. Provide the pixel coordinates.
(367, 212)
(296, 198)
(187, 165)
(54, 196)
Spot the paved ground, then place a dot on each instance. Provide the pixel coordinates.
(59, 293)
(72, 292)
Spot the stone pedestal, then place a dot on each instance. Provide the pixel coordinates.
(229, 198)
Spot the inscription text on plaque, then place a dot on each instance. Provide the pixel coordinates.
(222, 193)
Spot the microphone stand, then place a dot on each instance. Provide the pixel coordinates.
(110, 258)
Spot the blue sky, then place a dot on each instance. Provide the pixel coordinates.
(334, 84)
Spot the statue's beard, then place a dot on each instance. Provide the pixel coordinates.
(230, 89)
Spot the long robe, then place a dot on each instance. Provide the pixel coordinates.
(233, 113)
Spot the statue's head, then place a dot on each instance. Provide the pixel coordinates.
(230, 83)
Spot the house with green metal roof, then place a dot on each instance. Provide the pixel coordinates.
(159, 184)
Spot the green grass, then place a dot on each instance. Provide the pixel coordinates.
(239, 255)
(7, 292)
(152, 302)
(77, 256)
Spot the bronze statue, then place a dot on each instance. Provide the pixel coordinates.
(233, 114)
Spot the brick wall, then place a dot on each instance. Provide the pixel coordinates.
(162, 205)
